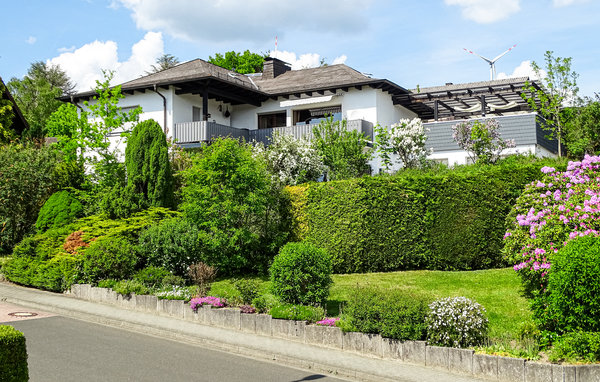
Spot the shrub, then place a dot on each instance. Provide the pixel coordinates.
(456, 322)
(216, 302)
(574, 288)
(174, 293)
(230, 197)
(173, 244)
(579, 346)
(301, 274)
(59, 210)
(202, 275)
(108, 283)
(109, 257)
(127, 287)
(264, 303)
(13, 355)
(405, 139)
(151, 276)
(148, 168)
(551, 211)
(249, 289)
(297, 312)
(481, 139)
(392, 313)
(172, 280)
(247, 309)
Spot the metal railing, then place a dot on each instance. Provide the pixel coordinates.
(204, 131)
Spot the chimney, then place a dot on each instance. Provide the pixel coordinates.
(272, 67)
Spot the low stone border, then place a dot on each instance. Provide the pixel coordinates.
(460, 361)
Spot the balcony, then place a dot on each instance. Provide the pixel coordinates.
(190, 134)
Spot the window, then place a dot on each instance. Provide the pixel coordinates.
(267, 121)
(316, 115)
(196, 114)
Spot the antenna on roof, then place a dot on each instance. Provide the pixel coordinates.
(492, 62)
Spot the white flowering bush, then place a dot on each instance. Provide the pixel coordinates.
(481, 140)
(406, 139)
(289, 160)
(456, 322)
(174, 293)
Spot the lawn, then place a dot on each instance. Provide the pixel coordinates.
(498, 290)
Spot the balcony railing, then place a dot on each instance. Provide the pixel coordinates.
(204, 131)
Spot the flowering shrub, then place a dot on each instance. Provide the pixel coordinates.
(550, 212)
(481, 140)
(406, 139)
(197, 302)
(247, 309)
(290, 161)
(328, 321)
(174, 293)
(456, 322)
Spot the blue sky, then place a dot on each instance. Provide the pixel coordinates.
(406, 41)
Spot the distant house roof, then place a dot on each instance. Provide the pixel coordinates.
(19, 123)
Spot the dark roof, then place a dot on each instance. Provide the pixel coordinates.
(19, 123)
(452, 97)
(222, 84)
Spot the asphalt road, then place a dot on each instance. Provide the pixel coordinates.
(63, 349)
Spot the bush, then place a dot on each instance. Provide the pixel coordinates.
(173, 245)
(59, 210)
(550, 212)
(230, 197)
(574, 288)
(151, 276)
(13, 355)
(174, 293)
(264, 303)
(392, 313)
(456, 322)
(109, 258)
(126, 287)
(436, 219)
(202, 275)
(297, 312)
(249, 289)
(172, 281)
(578, 346)
(301, 274)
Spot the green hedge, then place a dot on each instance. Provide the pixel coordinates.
(13, 355)
(452, 219)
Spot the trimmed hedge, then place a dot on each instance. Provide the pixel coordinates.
(13, 355)
(450, 219)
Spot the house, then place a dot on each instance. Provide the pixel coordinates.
(196, 101)
(19, 124)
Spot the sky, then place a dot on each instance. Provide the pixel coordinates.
(411, 43)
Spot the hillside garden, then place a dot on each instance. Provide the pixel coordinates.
(501, 255)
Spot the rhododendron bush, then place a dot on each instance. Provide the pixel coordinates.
(551, 211)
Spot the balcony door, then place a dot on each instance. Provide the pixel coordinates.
(267, 121)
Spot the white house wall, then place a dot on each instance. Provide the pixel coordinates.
(183, 104)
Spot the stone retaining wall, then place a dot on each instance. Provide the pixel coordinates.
(460, 361)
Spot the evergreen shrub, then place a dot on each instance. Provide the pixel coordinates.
(59, 210)
(301, 274)
(13, 355)
(109, 258)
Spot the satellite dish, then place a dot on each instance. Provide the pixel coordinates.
(492, 62)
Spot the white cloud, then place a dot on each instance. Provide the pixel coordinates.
(304, 61)
(523, 70)
(31, 40)
(84, 65)
(564, 3)
(486, 11)
(243, 20)
(65, 49)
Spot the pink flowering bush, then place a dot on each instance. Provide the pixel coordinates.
(328, 321)
(216, 302)
(551, 211)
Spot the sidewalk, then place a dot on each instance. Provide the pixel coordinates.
(323, 360)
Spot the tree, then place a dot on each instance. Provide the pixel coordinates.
(345, 153)
(583, 133)
(6, 118)
(405, 139)
(147, 164)
(36, 94)
(481, 140)
(243, 63)
(559, 87)
(166, 61)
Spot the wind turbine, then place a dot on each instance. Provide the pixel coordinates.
(491, 62)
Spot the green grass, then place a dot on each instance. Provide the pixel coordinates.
(498, 290)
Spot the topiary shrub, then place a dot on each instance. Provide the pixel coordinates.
(173, 245)
(456, 322)
(573, 296)
(109, 258)
(301, 274)
(13, 355)
(397, 313)
(59, 210)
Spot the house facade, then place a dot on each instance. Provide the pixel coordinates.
(196, 102)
